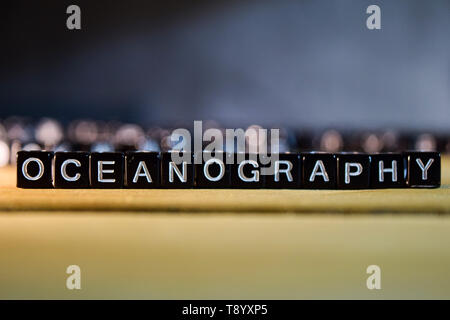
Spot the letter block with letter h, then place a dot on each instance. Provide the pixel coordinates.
(387, 171)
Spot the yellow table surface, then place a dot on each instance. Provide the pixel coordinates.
(229, 244)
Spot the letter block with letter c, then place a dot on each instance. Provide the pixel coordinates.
(72, 170)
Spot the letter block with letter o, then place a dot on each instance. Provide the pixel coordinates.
(177, 170)
(107, 170)
(353, 171)
(319, 170)
(143, 170)
(211, 170)
(424, 169)
(34, 169)
(387, 170)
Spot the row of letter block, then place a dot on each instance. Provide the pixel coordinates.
(42, 169)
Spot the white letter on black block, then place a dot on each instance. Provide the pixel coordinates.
(25, 169)
(146, 174)
(382, 170)
(349, 173)
(174, 168)
(424, 168)
(64, 171)
(206, 169)
(287, 171)
(319, 165)
(101, 171)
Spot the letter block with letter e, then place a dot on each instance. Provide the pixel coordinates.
(353, 171)
(177, 170)
(34, 169)
(424, 169)
(143, 170)
(387, 170)
(72, 170)
(107, 170)
(319, 170)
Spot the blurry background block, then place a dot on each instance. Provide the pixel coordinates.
(297, 63)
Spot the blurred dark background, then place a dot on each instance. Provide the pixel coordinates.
(293, 63)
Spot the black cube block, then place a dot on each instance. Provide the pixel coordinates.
(387, 170)
(211, 170)
(177, 170)
(34, 169)
(107, 170)
(281, 171)
(245, 171)
(353, 170)
(143, 170)
(424, 169)
(319, 170)
(72, 170)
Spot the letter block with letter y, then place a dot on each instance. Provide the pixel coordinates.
(424, 169)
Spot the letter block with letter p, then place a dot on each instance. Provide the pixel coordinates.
(107, 170)
(353, 171)
(72, 170)
(34, 169)
(424, 169)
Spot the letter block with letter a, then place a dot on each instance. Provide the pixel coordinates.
(34, 169)
(387, 170)
(72, 170)
(107, 170)
(319, 170)
(353, 171)
(143, 170)
(424, 169)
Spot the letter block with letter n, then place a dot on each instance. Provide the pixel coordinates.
(107, 170)
(424, 169)
(353, 171)
(387, 170)
(72, 170)
(319, 170)
(143, 170)
(34, 169)
(177, 170)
